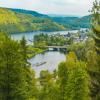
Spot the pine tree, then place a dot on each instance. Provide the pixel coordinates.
(96, 25)
(96, 30)
(29, 74)
(12, 82)
(23, 44)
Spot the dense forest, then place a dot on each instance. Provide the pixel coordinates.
(68, 22)
(74, 22)
(77, 78)
(14, 22)
(18, 21)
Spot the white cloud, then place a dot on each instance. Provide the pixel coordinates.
(71, 7)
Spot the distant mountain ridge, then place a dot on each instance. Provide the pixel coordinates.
(74, 22)
(15, 22)
(19, 20)
(34, 13)
(68, 21)
(62, 15)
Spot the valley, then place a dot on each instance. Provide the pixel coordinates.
(19, 21)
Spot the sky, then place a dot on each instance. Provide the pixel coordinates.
(61, 7)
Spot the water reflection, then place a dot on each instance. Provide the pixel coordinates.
(50, 60)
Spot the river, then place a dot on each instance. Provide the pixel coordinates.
(48, 60)
(30, 35)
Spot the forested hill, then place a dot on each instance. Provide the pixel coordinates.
(19, 20)
(68, 22)
(34, 13)
(15, 22)
(74, 22)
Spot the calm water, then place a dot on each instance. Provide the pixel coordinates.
(51, 60)
(30, 35)
(46, 61)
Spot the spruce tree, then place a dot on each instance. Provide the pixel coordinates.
(96, 25)
(29, 74)
(96, 30)
(23, 44)
(12, 82)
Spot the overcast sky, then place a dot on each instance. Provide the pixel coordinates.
(64, 7)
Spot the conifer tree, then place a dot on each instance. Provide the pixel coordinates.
(96, 25)
(96, 31)
(12, 82)
(29, 74)
(23, 44)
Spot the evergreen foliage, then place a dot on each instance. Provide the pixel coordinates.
(17, 81)
(77, 78)
(96, 30)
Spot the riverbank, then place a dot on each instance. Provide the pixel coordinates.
(48, 60)
(33, 51)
